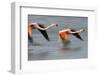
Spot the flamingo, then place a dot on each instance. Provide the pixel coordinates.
(39, 27)
(64, 34)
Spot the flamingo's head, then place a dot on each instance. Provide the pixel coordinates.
(82, 30)
(55, 24)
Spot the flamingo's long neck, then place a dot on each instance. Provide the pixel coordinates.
(49, 26)
(46, 28)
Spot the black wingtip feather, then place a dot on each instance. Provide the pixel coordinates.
(44, 32)
(77, 35)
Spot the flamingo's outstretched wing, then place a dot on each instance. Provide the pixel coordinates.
(76, 35)
(44, 32)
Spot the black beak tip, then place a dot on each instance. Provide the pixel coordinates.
(57, 25)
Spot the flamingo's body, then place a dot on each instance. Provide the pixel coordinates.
(63, 35)
(30, 33)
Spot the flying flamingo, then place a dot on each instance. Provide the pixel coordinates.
(39, 27)
(64, 34)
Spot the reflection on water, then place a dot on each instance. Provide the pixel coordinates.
(56, 50)
(71, 49)
(42, 49)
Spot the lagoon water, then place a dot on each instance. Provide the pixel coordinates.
(54, 49)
